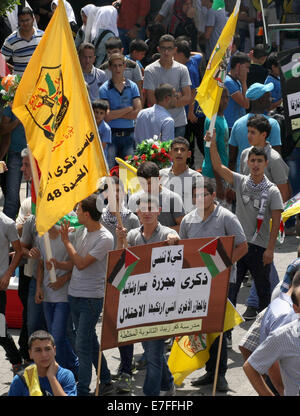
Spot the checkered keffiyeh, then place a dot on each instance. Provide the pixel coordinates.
(250, 341)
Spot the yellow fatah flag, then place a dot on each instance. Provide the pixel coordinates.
(53, 105)
(128, 176)
(211, 87)
(191, 352)
(32, 380)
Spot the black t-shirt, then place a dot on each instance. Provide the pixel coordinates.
(257, 73)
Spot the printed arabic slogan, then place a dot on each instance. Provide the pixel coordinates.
(52, 103)
(158, 291)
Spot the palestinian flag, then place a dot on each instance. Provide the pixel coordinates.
(123, 269)
(215, 257)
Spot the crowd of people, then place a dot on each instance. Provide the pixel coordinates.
(142, 63)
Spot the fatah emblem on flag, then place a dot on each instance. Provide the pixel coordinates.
(215, 257)
(123, 269)
(48, 104)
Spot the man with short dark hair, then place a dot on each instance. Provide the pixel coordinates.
(94, 77)
(257, 71)
(132, 70)
(124, 102)
(179, 177)
(235, 82)
(86, 290)
(53, 379)
(158, 379)
(20, 45)
(172, 211)
(208, 219)
(167, 70)
(195, 63)
(156, 120)
(257, 201)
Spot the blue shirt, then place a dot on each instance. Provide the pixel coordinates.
(65, 378)
(239, 135)
(105, 134)
(233, 110)
(94, 80)
(276, 92)
(275, 315)
(17, 135)
(155, 120)
(193, 68)
(289, 274)
(118, 100)
(222, 145)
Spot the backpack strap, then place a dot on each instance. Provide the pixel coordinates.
(104, 33)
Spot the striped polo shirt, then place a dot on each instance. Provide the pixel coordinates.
(20, 50)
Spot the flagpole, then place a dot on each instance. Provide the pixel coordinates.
(36, 184)
(100, 346)
(217, 363)
(110, 192)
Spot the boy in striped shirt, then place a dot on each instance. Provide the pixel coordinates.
(19, 46)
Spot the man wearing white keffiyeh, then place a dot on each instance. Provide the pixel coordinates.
(258, 201)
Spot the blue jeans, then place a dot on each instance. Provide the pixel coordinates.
(119, 147)
(253, 298)
(158, 376)
(85, 314)
(126, 355)
(253, 261)
(13, 178)
(56, 315)
(35, 313)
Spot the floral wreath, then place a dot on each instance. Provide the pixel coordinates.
(151, 150)
(9, 85)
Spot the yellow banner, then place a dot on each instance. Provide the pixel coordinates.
(210, 90)
(53, 105)
(188, 354)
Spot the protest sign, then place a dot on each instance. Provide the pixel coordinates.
(157, 290)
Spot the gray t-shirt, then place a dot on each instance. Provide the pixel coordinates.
(181, 184)
(217, 19)
(135, 237)
(129, 221)
(220, 223)
(170, 203)
(30, 239)
(59, 253)
(178, 76)
(132, 71)
(90, 282)
(277, 171)
(247, 206)
(8, 234)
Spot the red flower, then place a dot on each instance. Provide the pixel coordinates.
(154, 146)
(163, 151)
(135, 157)
(153, 155)
(143, 157)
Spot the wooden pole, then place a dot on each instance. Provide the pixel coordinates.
(36, 184)
(217, 363)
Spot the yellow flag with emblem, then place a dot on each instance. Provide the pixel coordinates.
(191, 352)
(53, 105)
(211, 87)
